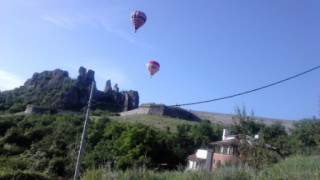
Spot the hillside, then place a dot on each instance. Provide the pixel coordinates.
(226, 119)
(158, 122)
(56, 90)
(45, 146)
(217, 118)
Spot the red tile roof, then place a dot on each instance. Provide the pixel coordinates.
(194, 158)
(228, 142)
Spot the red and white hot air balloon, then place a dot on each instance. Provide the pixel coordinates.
(138, 18)
(153, 67)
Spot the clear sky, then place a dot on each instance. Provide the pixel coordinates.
(206, 49)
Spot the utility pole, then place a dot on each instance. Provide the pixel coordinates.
(76, 173)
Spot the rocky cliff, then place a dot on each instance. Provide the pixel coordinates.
(55, 89)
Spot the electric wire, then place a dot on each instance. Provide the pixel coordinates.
(249, 91)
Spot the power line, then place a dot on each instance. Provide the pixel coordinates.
(250, 91)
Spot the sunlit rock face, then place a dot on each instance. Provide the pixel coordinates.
(55, 89)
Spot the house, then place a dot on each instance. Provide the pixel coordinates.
(226, 151)
(220, 153)
(197, 161)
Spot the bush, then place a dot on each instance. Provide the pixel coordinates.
(22, 175)
(97, 112)
(13, 163)
(18, 107)
(57, 166)
(14, 136)
(296, 167)
(5, 124)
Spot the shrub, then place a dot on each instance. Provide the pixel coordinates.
(18, 107)
(296, 167)
(97, 112)
(5, 124)
(13, 163)
(57, 166)
(22, 175)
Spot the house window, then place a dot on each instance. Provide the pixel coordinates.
(225, 150)
(217, 149)
(222, 150)
(236, 151)
(230, 150)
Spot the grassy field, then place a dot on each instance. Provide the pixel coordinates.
(292, 168)
(296, 168)
(159, 122)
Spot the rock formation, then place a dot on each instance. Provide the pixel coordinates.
(55, 89)
(47, 79)
(116, 88)
(107, 88)
(108, 99)
(131, 100)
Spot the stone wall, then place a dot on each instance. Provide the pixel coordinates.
(226, 119)
(40, 110)
(161, 110)
(179, 113)
(34, 109)
(176, 112)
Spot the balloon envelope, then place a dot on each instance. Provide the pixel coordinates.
(153, 67)
(138, 18)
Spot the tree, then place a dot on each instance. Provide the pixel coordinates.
(307, 136)
(276, 136)
(252, 150)
(244, 124)
(258, 154)
(202, 134)
(126, 145)
(17, 107)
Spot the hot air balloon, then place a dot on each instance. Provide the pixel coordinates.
(153, 67)
(138, 18)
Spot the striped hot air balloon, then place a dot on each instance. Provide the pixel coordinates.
(138, 18)
(153, 67)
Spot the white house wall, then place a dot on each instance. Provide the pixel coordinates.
(201, 153)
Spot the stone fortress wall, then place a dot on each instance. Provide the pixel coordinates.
(162, 110)
(220, 118)
(175, 112)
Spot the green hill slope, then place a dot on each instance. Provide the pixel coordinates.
(48, 144)
(158, 122)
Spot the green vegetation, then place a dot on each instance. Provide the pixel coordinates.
(48, 144)
(45, 95)
(293, 168)
(158, 122)
(274, 143)
(148, 147)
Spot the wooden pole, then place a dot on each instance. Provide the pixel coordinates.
(76, 173)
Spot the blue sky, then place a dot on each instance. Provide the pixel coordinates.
(207, 49)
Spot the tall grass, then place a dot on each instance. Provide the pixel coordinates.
(23, 175)
(225, 173)
(292, 168)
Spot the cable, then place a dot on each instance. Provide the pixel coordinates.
(246, 92)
